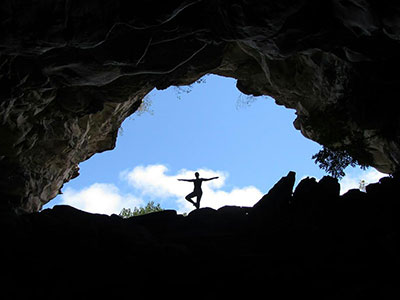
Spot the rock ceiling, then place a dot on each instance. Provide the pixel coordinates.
(72, 71)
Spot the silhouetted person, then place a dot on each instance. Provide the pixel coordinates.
(197, 192)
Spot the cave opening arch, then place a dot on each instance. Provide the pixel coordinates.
(71, 79)
(72, 71)
(249, 142)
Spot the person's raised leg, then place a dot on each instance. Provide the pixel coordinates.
(189, 198)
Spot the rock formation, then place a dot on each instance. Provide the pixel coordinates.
(72, 71)
(308, 243)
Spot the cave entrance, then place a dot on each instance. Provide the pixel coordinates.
(210, 127)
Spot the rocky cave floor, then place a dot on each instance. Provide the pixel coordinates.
(310, 242)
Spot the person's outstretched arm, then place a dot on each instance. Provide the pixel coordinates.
(188, 180)
(212, 178)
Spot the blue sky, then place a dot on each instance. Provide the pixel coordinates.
(205, 128)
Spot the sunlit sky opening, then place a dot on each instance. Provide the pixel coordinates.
(211, 128)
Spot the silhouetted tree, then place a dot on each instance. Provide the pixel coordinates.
(137, 211)
(335, 161)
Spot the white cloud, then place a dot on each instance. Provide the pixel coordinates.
(153, 181)
(247, 196)
(353, 181)
(99, 198)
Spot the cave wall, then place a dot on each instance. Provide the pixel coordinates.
(72, 71)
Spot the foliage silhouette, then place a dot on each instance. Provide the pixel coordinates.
(138, 211)
(335, 161)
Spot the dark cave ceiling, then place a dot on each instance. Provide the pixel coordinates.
(72, 71)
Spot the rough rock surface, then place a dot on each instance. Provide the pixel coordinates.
(72, 71)
(314, 244)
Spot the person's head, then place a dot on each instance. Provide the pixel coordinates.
(197, 174)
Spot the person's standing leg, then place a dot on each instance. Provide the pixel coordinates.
(199, 194)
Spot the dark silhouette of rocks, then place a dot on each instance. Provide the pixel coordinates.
(310, 243)
(71, 72)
